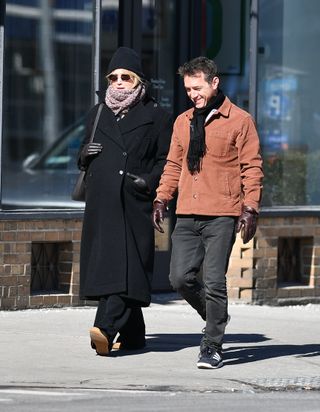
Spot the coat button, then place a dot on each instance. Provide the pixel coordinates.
(194, 196)
(124, 153)
(120, 172)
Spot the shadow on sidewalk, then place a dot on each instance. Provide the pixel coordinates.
(238, 354)
(173, 342)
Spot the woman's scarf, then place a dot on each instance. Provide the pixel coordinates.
(120, 101)
(197, 145)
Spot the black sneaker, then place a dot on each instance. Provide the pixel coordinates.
(209, 358)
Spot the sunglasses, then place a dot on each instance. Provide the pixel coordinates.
(124, 77)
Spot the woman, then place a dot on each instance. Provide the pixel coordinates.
(123, 164)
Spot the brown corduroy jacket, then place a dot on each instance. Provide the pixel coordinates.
(231, 173)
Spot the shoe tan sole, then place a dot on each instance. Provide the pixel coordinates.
(100, 341)
(116, 345)
(119, 346)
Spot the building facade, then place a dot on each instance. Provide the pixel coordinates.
(53, 58)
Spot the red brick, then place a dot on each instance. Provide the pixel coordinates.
(233, 293)
(10, 226)
(36, 301)
(9, 236)
(51, 236)
(49, 300)
(64, 299)
(37, 236)
(23, 236)
(8, 303)
(246, 294)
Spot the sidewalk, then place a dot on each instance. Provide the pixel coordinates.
(265, 348)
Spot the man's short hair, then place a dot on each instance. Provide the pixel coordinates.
(199, 64)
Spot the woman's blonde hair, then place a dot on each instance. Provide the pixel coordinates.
(136, 79)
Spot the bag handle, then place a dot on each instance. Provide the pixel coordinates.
(95, 124)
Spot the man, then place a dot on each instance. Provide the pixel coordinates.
(215, 165)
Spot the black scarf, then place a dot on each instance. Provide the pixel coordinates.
(197, 145)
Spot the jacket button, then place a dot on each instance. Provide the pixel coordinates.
(120, 172)
(194, 196)
(124, 153)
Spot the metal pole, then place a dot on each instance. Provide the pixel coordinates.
(253, 58)
(2, 20)
(51, 121)
(96, 49)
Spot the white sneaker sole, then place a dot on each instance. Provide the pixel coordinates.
(204, 365)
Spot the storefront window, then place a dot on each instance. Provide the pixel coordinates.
(288, 101)
(158, 49)
(225, 39)
(109, 35)
(47, 91)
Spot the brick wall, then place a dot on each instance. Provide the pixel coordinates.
(17, 238)
(264, 271)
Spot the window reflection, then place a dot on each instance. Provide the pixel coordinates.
(109, 34)
(47, 78)
(288, 104)
(158, 49)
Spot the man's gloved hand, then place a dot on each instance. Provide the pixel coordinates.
(247, 223)
(88, 150)
(139, 182)
(159, 209)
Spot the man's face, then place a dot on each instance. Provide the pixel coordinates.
(199, 90)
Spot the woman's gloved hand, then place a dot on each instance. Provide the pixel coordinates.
(139, 182)
(89, 150)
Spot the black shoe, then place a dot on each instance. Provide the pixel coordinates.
(209, 358)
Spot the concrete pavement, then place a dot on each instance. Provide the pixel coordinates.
(266, 348)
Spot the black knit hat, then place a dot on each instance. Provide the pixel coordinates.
(125, 58)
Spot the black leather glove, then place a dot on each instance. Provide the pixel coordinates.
(159, 209)
(247, 223)
(139, 182)
(89, 150)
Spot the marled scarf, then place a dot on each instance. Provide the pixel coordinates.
(120, 101)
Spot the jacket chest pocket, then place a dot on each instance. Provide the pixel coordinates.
(218, 144)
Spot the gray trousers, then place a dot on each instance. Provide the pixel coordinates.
(206, 241)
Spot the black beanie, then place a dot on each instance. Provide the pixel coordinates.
(125, 58)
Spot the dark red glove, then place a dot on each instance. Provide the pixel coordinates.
(159, 209)
(247, 223)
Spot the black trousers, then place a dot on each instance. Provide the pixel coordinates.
(204, 241)
(118, 314)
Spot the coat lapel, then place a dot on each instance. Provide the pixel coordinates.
(109, 126)
(137, 117)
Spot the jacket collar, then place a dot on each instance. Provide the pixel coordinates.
(224, 109)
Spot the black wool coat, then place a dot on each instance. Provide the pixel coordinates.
(117, 246)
